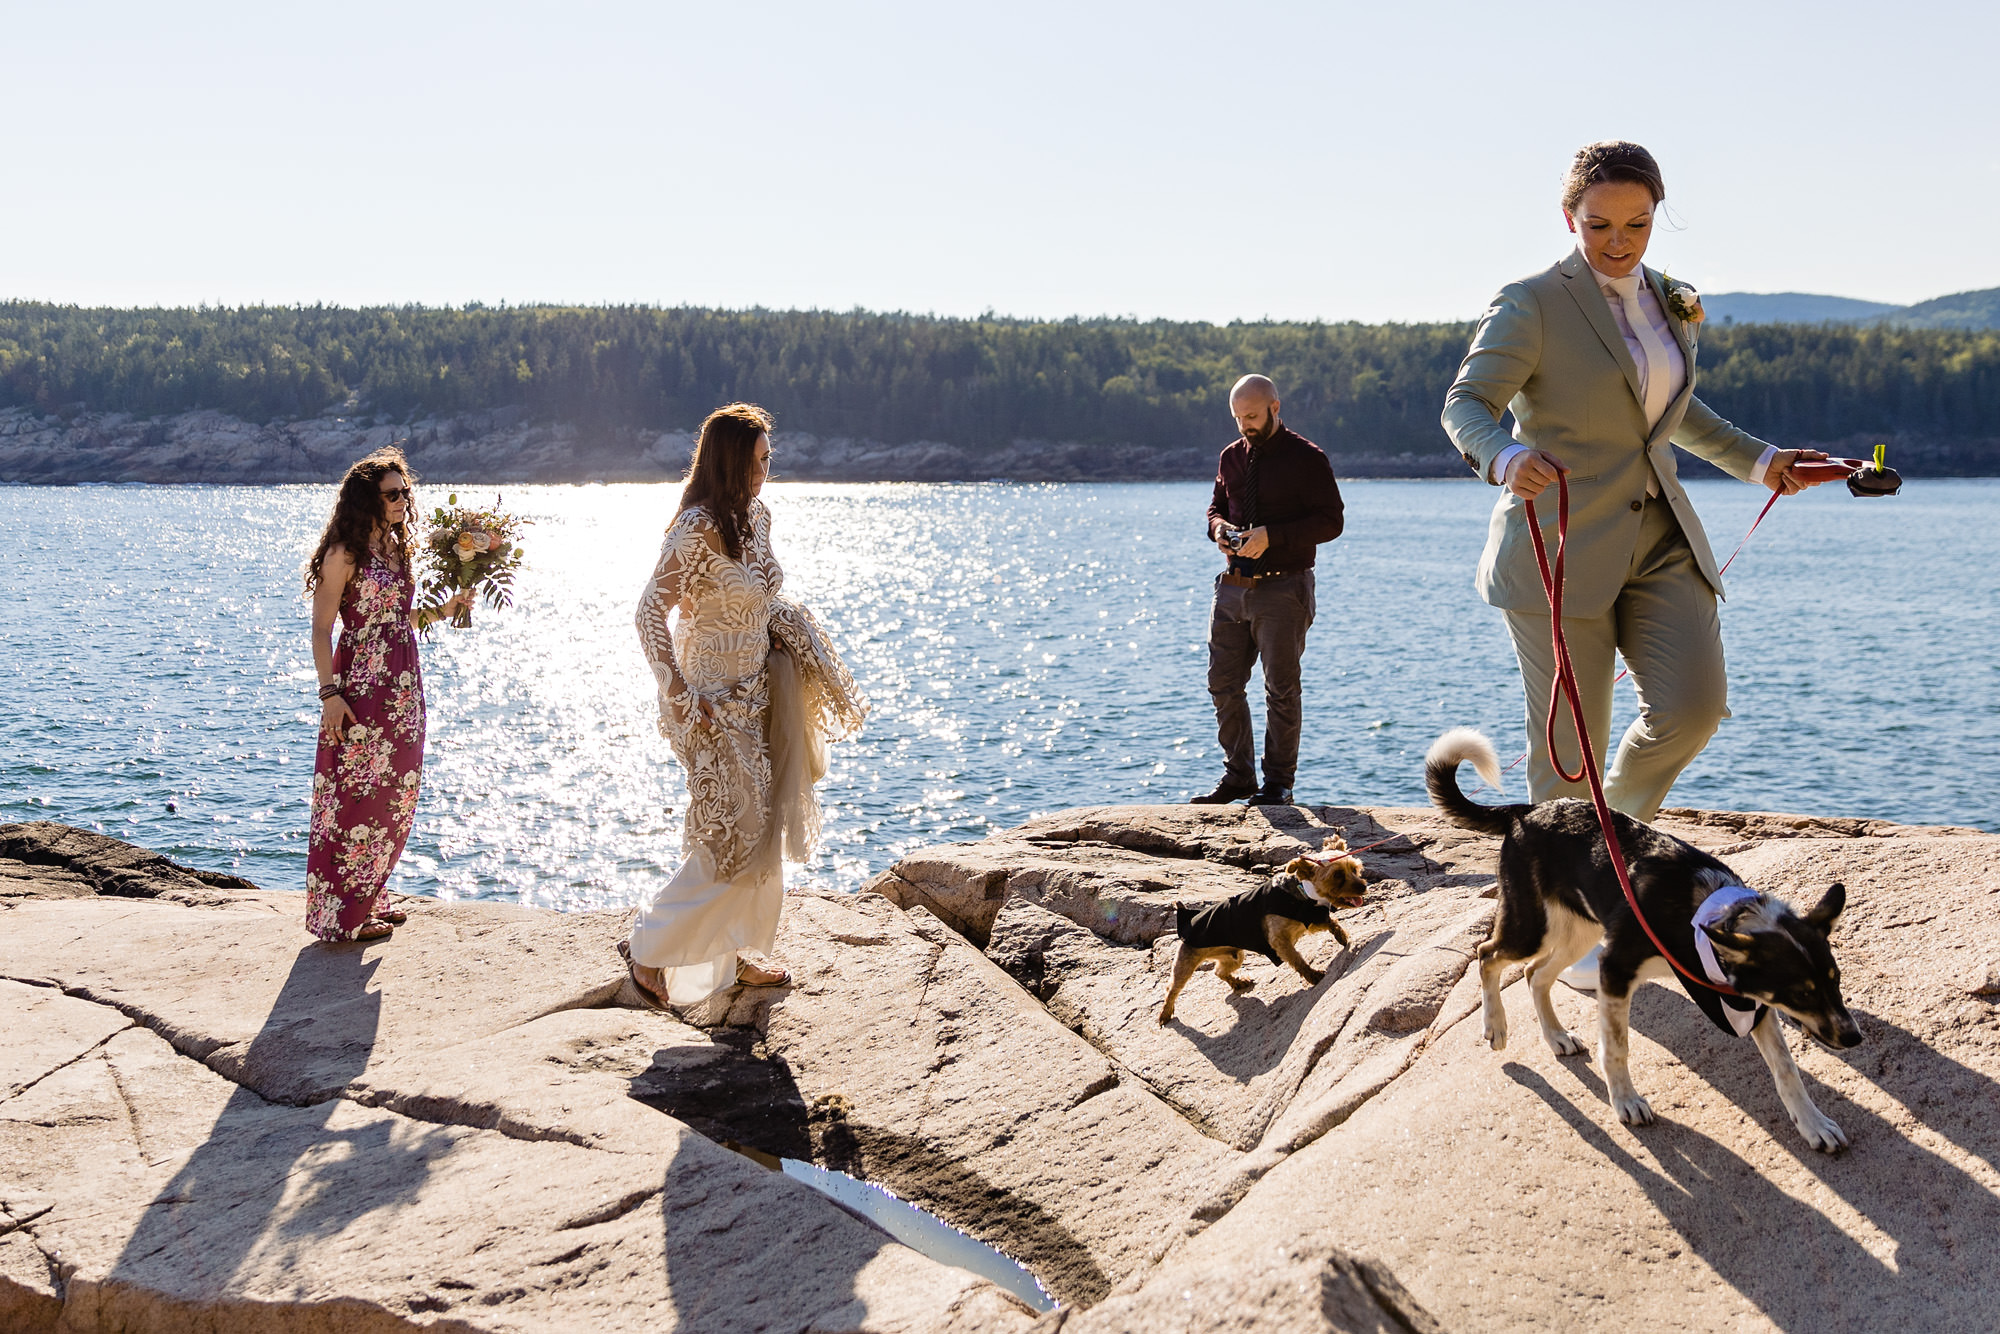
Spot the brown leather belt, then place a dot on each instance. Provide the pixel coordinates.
(1233, 580)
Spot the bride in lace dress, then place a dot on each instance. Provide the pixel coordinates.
(750, 693)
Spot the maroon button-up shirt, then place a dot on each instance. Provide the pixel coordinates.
(1298, 502)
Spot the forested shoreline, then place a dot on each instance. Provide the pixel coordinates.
(982, 384)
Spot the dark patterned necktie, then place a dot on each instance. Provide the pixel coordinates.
(1244, 564)
(1250, 496)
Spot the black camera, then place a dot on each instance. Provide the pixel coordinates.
(1233, 538)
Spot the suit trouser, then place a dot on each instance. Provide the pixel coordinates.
(1664, 622)
(1266, 622)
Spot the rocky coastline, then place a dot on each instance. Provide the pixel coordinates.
(507, 446)
(207, 1121)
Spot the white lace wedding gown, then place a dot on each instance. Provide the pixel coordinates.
(779, 694)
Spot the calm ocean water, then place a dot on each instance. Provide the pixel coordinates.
(1026, 648)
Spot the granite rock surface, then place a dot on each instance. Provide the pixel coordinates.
(211, 1120)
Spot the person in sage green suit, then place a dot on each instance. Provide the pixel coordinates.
(1595, 357)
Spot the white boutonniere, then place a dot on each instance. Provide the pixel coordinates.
(1684, 302)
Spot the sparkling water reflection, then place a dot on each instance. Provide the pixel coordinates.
(1026, 648)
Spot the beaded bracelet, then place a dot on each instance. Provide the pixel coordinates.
(329, 690)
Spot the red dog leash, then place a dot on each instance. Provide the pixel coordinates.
(1624, 672)
(1565, 685)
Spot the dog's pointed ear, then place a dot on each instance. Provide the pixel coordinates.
(1729, 946)
(1827, 911)
(1333, 843)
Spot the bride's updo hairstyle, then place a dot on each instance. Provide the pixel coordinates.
(725, 459)
(358, 508)
(1608, 161)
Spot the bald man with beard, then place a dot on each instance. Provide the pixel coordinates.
(1275, 501)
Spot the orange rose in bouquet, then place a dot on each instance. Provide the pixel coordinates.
(471, 550)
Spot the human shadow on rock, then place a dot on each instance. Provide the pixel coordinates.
(749, 1099)
(271, 1177)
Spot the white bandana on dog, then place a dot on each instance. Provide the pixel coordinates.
(1742, 1013)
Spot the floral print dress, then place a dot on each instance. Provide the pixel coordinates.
(364, 793)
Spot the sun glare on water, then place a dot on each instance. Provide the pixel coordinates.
(1024, 649)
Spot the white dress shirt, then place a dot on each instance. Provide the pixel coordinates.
(1656, 391)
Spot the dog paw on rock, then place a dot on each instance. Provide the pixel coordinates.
(1633, 1109)
(1821, 1132)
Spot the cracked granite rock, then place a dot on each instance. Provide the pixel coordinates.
(214, 1122)
(1495, 1189)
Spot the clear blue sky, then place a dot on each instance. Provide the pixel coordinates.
(1335, 160)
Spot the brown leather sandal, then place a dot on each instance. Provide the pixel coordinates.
(776, 977)
(375, 928)
(656, 997)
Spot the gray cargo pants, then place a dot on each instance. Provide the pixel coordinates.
(1266, 622)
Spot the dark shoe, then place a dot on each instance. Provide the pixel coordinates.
(1271, 796)
(1225, 792)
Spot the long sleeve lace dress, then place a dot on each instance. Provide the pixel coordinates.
(779, 693)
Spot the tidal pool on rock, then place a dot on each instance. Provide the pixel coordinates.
(918, 1229)
(922, 1232)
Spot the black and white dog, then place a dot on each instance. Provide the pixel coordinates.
(1559, 893)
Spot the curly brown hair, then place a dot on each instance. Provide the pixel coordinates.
(718, 477)
(1611, 160)
(358, 508)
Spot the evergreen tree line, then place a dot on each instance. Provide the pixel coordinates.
(899, 378)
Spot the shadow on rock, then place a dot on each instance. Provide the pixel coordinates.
(1754, 1235)
(733, 1092)
(272, 1178)
(748, 1099)
(1942, 1223)
(1268, 1019)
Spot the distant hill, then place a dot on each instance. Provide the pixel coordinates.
(1965, 310)
(1789, 308)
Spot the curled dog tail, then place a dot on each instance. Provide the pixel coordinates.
(1441, 777)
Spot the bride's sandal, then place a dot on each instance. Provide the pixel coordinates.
(652, 995)
(375, 928)
(393, 916)
(757, 975)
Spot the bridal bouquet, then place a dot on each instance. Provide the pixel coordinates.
(470, 548)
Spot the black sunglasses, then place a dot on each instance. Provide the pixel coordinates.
(396, 493)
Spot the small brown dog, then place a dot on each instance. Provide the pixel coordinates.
(1268, 920)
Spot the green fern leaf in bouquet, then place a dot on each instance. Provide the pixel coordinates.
(471, 549)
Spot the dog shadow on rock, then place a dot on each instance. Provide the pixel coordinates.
(1945, 1220)
(1792, 1260)
(749, 1100)
(271, 1178)
(1268, 1020)
(1264, 1029)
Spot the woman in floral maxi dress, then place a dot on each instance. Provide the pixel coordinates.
(750, 693)
(370, 762)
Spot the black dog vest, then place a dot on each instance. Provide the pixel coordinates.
(1238, 922)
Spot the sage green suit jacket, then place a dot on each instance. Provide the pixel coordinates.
(1549, 350)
